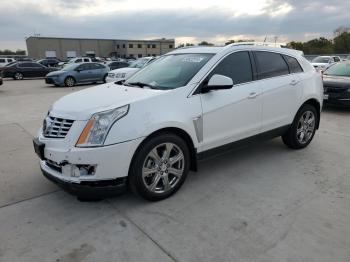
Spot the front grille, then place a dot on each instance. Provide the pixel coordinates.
(335, 90)
(55, 127)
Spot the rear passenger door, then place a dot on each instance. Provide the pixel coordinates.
(280, 88)
(232, 114)
(84, 73)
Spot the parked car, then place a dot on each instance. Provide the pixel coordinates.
(77, 60)
(186, 105)
(5, 60)
(78, 74)
(1, 82)
(49, 62)
(321, 63)
(336, 83)
(116, 64)
(21, 70)
(123, 73)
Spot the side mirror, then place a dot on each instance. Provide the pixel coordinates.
(218, 82)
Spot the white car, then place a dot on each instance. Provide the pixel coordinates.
(186, 105)
(321, 63)
(6, 60)
(125, 72)
(77, 60)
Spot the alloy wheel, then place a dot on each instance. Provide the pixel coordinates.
(163, 167)
(306, 127)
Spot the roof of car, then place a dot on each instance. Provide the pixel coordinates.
(217, 49)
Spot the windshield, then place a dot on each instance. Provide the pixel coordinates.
(170, 71)
(321, 59)
(342, 69)
(139, 63)
(69, 67)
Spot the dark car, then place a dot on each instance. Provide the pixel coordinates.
(49, 62)
(0, 80)
(21, 70)
(117, 64)
(336, 84)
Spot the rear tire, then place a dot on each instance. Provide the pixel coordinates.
(18, 76)
(301, 132)
(159, 167)
(69, 81)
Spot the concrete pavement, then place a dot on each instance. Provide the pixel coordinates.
(261, 203)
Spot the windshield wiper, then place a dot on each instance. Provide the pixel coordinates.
(142, 85)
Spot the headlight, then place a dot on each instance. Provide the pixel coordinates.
(96, 129)
(120, 75)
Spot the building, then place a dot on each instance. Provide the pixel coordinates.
(65, 48)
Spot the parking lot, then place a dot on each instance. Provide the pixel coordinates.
(261, 203)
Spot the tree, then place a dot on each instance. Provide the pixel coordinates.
(10, 52)
(205, 43)
(230, 42)
(183, 45)
(342, 40)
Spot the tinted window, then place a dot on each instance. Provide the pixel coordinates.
(293, 64)
(96, 66)
(86, 60)
(26, 65)
(236, 66)
(336, 59)
(271, 65)
(37, 65)
(84, 67)
(78, 61)
(2, 60)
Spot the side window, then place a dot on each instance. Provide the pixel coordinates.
(25, 65)
(37, 65)
(293, 64)
(236, 66)
(2, 60)
(336, 59)
(270, 65)
(78, 61)
(84, 67)
(86, 60)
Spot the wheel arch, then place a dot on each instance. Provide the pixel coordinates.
(315, 103)
(182, 134)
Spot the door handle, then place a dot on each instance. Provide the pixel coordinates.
(294, 82)
(253, 95)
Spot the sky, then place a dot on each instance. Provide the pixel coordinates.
(185, 20)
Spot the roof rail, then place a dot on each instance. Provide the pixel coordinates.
(270, 44)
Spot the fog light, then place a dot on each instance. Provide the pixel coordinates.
(78, 170)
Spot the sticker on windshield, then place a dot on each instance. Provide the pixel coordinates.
(193, 59)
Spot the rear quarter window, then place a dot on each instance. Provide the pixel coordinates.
(270, 64)
(293, 64)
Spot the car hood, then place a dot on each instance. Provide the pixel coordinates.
(126, 70)
(336, 81)
(83, 104)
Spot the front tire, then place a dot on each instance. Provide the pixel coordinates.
(159, 167)
(18, 76)
(303, 128)
(69, 81)
(105, 78)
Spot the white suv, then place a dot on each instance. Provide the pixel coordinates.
(188, 104)
(5, 60)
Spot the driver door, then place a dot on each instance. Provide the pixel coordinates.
(232, 114)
